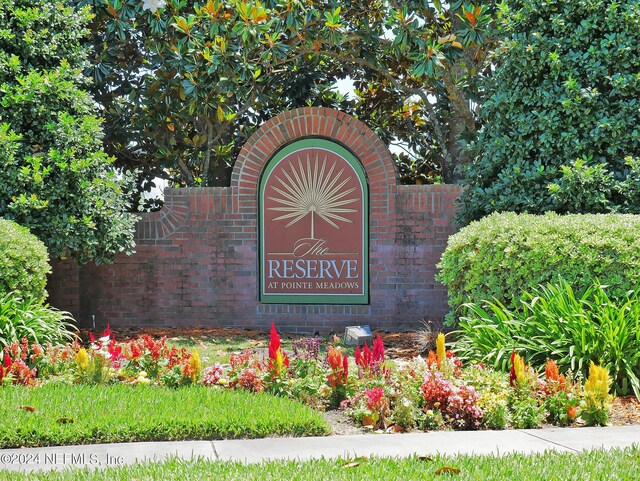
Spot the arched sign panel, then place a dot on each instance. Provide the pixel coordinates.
(314, 219)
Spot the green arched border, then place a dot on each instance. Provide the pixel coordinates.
(306, 143)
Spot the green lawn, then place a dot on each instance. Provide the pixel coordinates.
(81, 414)
(594, 465)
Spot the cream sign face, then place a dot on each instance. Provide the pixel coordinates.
(314, 226)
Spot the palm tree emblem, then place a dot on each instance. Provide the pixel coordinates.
(313, 190)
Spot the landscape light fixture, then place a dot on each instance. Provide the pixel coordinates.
(357, 335)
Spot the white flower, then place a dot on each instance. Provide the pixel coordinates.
(153, 5)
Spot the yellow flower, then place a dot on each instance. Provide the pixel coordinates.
(598, 384)
(519, 368)
(196, 365)
(441, 352)
(82, 360)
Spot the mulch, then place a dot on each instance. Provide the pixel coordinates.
(625, 410)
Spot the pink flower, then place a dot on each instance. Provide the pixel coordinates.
(212, 374)
(374, 398)
(456, 403)
(250, 380)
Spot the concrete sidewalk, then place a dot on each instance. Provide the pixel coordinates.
(256, 450)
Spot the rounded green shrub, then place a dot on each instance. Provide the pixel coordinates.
(24, 262)
(503, 255)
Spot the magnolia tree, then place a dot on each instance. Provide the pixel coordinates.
(55, 177)
(183, 84)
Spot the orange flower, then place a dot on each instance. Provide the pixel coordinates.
(432, 358)
(339, 365)
(551, 371)
(334, 357)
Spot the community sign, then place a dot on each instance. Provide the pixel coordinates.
(314, 226)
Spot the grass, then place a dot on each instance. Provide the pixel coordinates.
(80, 414)
(617, 464)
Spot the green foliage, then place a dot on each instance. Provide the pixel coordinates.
(28, 318)
(54, 176)
(525, 412)
(552, 322)
(184, 84)
(562, 112)
(504, 255)
(24, 262)
(558, 406)
(117, 413)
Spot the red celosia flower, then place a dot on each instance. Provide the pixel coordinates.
(345, 365)
(274, 341)
(174, 357)
(136, 352)
(277, 357)
(7, 360)
(115, 351)
(370, 360)
(378, 350)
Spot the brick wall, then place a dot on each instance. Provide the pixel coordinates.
(196, 260)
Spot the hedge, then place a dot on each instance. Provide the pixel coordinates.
(24, 262)
(505, 254)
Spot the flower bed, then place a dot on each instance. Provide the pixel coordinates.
(436, 392)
